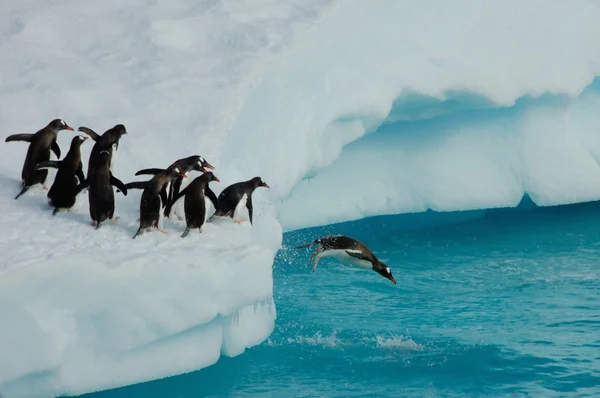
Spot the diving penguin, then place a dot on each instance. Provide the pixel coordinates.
(69, 175)
(40, 145)
(349, 251)
(235, 197)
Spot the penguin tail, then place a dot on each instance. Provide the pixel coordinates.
(55, 211)
(138, 233)
(25, 188)
(307, 245)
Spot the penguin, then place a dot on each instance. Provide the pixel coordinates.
(194, 202)
(191, 163)
(153, 197)
(233, 198)
(109, 141)
(40, 145)
(69, 175)
(101, 196)
(349, 251)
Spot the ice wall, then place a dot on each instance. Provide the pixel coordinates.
(371, 63)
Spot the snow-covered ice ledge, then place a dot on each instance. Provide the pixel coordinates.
(85, 311)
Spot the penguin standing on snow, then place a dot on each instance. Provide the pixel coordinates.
(235, 197)
(109, 141)
(185, 165)
(40, 145)
(153, 198)
(349, 251)
(194, 202)
(69, 175)
(101, 196)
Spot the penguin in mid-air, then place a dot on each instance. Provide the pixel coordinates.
(349, 251)
(101, 196)
(63, 191)
(109, 141)
(153, 197)
(194, 202)
(40, 145)
(235, 197)
(191, 163)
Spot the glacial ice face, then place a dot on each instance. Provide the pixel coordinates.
(374, 63)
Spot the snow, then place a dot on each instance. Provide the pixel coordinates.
(346, 109)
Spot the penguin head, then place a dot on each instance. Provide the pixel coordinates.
(59, 124)
(173, 172)
(78, 139)
(119, 130)
(384, 271)
(204, 164)
(211, 177)
(258, 182)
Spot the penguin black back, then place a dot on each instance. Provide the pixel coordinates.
(152, 198)
(101, 195)
(63, 191)
(40, 145)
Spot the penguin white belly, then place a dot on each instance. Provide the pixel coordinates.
(160, 214)
(347, 259)
(113, 157)
(240, 213)
(210, 209)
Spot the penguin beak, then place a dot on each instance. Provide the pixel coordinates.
(182, 176)
(69, 128)
(264, 184)
(85, 138)
(207, 165)
(391, 278)
(217, 179)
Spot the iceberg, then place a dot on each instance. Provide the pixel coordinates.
(347, 109)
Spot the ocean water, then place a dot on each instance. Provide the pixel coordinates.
(496, 303)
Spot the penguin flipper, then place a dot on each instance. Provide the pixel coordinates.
(82, 185)
(47, 164)
(174, 200)
(163, 196)
(55, 148)
(357, 254)
(136, 185)
(89, 132)
(118, 183)
(19, 137)
(149, 171)
(211, 196)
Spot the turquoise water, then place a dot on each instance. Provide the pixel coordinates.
(503, 303)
